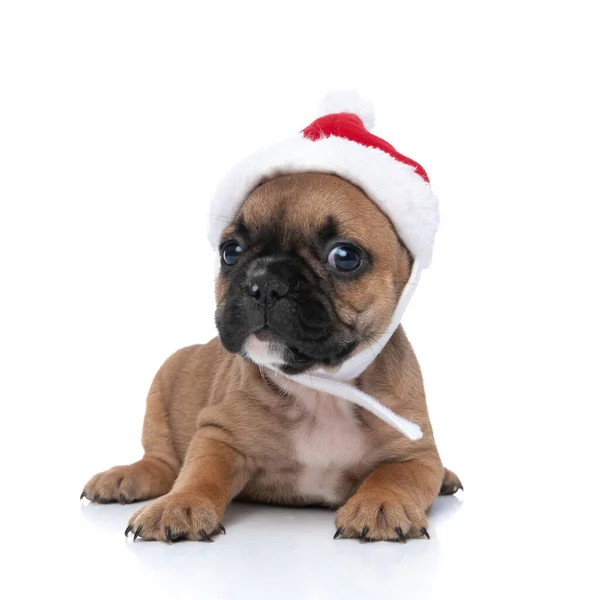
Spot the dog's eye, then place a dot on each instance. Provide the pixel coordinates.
(230, 253)
(344, 258)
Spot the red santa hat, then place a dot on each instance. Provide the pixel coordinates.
(340, 142)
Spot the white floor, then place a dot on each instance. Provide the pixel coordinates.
(268, 552)
(79, 551)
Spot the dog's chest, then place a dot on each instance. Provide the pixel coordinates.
(328, 434)
(327, 443)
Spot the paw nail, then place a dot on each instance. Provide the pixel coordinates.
(425, 533)
(401, 536)
(128, 530)
(137, 533)
(82, 495)
(168, 534)
(122, 499)
(337, 534)
(222, 528)
(363, 533)
(204, 536)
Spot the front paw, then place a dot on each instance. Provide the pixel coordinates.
(380, 515)
(145, 479)
(176, 516)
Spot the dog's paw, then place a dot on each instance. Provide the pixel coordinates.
(174, 517)
(380, 515)
(142, 480)
(451, 483)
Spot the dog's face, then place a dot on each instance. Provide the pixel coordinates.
(311, 271)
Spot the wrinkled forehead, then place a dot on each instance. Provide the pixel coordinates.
(311, 205)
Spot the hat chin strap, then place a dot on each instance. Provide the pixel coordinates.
(334, 382)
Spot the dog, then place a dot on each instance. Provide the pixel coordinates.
(304, 283)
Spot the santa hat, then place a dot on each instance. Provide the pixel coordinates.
(340, 142)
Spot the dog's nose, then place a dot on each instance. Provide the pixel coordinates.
(268, 289)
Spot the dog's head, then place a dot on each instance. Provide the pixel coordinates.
(311, 272)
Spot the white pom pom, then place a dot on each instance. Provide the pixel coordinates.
(348, 101)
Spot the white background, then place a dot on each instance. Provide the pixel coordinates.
(116, 121)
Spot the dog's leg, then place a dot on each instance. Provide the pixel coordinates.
(150, 477)
(213, 472)
(391, 502)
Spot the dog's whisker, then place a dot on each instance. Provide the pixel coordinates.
(280, 395)
(378, 343)
(371, 348)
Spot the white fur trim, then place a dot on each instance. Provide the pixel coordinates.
(402, 194)
(348, 101)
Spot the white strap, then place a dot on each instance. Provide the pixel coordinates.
(334, 382)
(347, 392)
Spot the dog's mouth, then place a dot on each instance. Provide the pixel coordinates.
(267, 347)
(266, 334)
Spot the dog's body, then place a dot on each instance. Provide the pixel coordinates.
(223, 421)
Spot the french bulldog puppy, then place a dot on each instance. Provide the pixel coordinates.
(311, 271)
